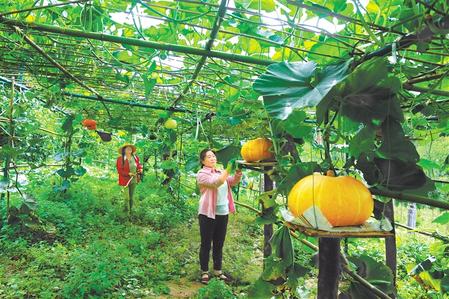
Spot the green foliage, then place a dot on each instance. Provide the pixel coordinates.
(376, 273)
(228, 154)
(215, 289)
(288, 86)
(374, 124)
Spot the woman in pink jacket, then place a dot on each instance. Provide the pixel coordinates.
(216, 203)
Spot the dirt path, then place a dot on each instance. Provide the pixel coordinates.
(182, 289)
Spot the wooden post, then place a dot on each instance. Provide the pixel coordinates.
(390, 242)
(329, 268)
(267, 228)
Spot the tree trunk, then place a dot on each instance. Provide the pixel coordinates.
(329, 268)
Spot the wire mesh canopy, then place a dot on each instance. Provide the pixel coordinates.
(126, 61)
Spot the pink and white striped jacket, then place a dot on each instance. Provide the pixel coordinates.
(208, 182)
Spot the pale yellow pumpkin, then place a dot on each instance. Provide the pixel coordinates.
(257, 150)
(170, 124)
(343, 200)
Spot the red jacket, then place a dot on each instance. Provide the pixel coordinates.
(123, 170)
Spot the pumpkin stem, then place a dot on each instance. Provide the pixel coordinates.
(330, 172)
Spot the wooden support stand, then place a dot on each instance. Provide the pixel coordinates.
(390, 242)
(267, 228)
(329, 241)
(328, 268)
(263, 167)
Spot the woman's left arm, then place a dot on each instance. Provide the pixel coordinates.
(235, 179)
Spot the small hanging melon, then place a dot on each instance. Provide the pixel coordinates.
(257, 150)
(343, 200)
(90, 124)
(170, 124)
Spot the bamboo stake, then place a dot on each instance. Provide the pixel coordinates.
(136, 42)
(42, 7)
(59, 66)
(433, 235)
(409, 86)
(208, 47)
(411, 198)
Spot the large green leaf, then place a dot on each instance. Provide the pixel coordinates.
(362, 142)
(268, 216)
(261, 289)
(442, 219)
(392, 174)
(295, 125)
(369, 93)
(295, 173)
(445, 283)
(375, 102)
(394, 143)
(281, 243)
(378, 274)
(288, 86)
(228, 153)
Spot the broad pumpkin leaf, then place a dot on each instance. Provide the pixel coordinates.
(80, 171)
(362, 142)
(442, 219)
(369, 93)
(295, 126)
(428, 164)
(267, 199)
(327, 51)
(273, 268)
(192, 164)
(282, 245)
(261, 289)
(445, 283)
(169, 164)
(295, 173)
(394, 143)
(294, 273)
(149, 84)
(392, 174)
(268, 216)
(67, 125)
(267, 5)
(288, 86)
(228, 153)
(378, 274)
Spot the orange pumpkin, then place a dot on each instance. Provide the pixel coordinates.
(90, 124)
(343, 200)
(257, 150)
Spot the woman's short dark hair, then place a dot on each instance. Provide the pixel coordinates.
(203, 154)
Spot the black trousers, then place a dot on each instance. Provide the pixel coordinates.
(212, 231)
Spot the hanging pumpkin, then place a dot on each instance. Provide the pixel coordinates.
(170, 124)
(257, 150)
(343, 200)
(90, 124)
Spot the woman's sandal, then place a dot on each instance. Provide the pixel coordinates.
(205, 277)
(221, 276)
